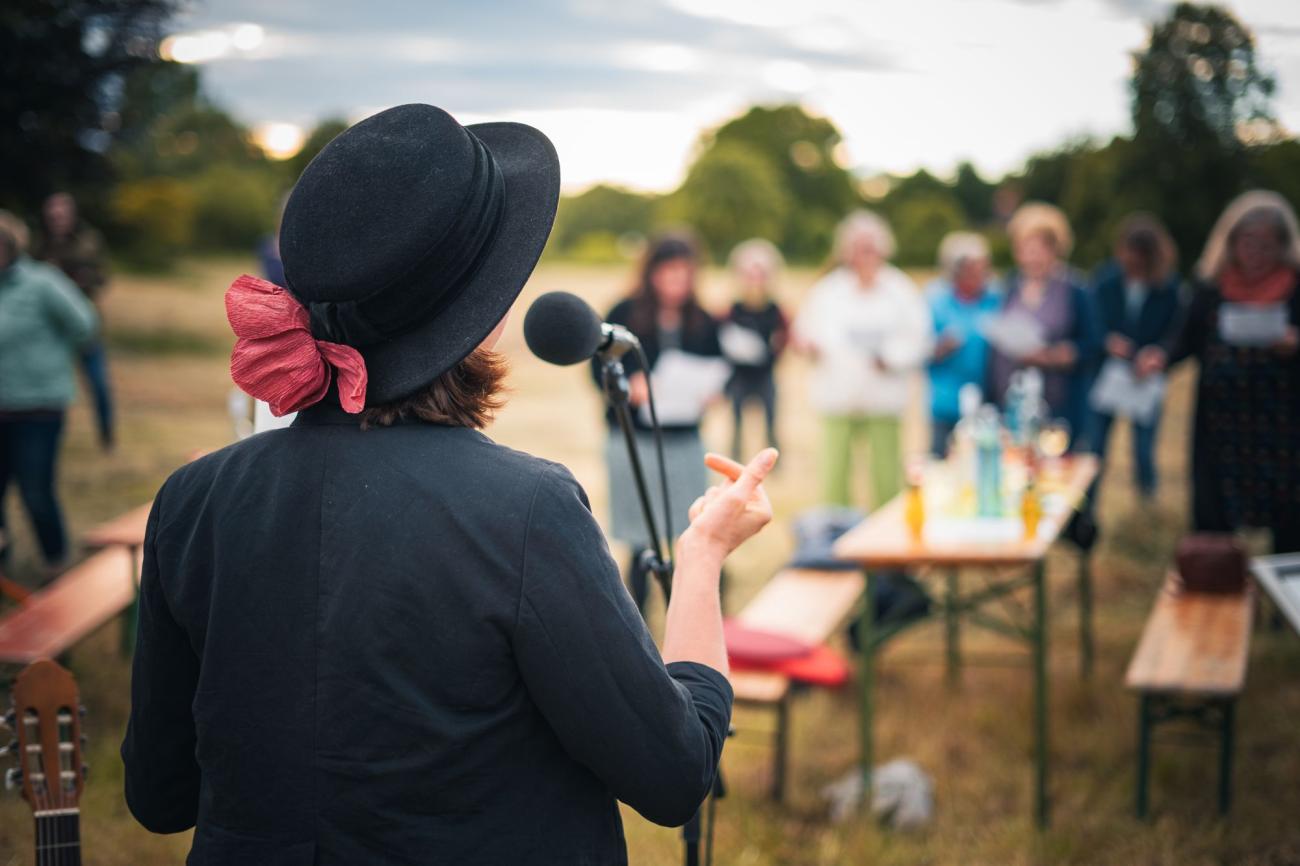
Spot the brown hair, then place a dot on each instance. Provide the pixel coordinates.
(644, 317)
(1146, 237)
(467, 395)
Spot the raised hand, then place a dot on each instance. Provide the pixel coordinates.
(729, 513)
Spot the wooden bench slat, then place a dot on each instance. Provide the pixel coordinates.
(1193, 644)
(805, 604)
(759, 687)
(75, 604)
(125, 529)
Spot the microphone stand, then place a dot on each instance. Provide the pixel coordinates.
(656, 559)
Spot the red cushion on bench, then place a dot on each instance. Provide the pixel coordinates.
(758, 648)
(822, 666)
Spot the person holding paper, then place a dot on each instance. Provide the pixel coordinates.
(1137, 296)
(1044, 294)
(961, 301)
(680, 340)
(754, 335)
(867, 328)
(1245, 451)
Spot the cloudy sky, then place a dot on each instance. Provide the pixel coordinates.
(624, 87)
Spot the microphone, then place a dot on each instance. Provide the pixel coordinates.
(561, 328)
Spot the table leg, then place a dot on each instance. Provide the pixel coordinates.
(1041, 807)
(867, 680)
(1225, 755)
(952, 628)
(1085, 614)
(1144, 754)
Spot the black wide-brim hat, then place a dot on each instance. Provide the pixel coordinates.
(410, 236)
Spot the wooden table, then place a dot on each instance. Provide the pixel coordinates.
(883, 540)
(1279, 576)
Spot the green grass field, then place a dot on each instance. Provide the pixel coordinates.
(170, 368)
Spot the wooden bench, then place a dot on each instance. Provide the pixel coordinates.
(79, 601)
(805, 604)
(125, 530)
(1191, 664)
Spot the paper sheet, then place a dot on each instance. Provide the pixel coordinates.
(1014, 334)
(742, 345)
(1252, 324)
(1118, 391)
(684, 385)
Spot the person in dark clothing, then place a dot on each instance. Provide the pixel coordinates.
(754, 335)
(1245, 466)
(1137, 298)
(665, 316)
(376, 636)
(77, 249)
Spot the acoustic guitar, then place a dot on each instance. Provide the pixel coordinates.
(46, 719)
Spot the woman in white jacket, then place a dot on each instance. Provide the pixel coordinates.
(868, 329)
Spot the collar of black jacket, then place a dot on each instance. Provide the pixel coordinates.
(329, 412)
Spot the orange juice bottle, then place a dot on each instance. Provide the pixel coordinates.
(914, 506)
(1031, 509)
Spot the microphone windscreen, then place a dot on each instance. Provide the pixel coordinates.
(562, 328)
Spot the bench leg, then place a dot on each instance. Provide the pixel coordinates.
(1228, 734)
(1144, 754)
(781, 746)
(952, 629)
(867, 686)
(1041, 752)
(1085, 614)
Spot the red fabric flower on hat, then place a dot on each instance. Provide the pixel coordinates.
(277, 360)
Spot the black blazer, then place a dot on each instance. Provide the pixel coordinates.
(1156, 318)
(400, 645)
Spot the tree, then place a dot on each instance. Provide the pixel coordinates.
(325, 132)
(1195, 86)
(803, 153)
(603, 209)
(920, 222)
(62, 68)
(731, 193)
(974, 194)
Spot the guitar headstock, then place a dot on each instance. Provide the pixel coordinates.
(46, 720)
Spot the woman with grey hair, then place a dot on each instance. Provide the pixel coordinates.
(867, 328)
(1241, 325)
(961, 299)
(44, 321)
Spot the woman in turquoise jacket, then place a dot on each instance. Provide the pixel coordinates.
(44, 320)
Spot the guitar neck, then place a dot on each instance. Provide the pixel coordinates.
(58, 838)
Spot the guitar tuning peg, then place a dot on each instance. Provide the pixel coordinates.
(11, 748)
(81, 710)
(13, 778)
(85, 771)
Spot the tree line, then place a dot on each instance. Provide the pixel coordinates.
(86, 104)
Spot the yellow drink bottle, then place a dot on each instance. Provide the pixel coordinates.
(1031, 509)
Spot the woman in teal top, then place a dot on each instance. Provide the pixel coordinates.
(959, 300)
(44, 320)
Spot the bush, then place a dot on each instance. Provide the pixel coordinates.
(158, 215)
(236, 207)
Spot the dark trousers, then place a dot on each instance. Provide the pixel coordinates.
(1144, 449)
(29, 450)
(746, 386)
(94, 364)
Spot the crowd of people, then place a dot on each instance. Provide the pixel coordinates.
(869, 332)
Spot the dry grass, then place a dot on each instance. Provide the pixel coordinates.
(170, 371)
